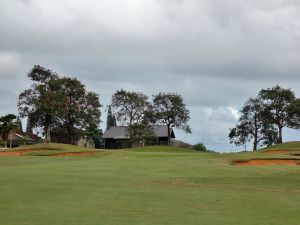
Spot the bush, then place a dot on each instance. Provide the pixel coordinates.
(182, 144)
(200, 147)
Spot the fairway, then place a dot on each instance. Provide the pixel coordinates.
(154, 185)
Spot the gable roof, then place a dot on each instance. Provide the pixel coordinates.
(121, 132)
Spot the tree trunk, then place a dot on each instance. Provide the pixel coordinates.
(254, 145)
(47, 135)
(130, 133)
(10, 140)
(255, 142)
(169, 135)
(279, 141)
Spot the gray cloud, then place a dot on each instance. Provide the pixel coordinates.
(215, 53)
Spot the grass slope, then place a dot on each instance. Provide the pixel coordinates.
(155, 185)
(293, 145)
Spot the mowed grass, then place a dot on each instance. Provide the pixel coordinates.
(154, 185)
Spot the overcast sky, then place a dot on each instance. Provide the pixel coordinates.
(215, 53)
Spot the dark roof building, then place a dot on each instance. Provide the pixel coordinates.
(117, 137)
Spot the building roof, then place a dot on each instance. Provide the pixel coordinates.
(121, 132)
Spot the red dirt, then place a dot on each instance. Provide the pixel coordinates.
(75, 154)
(279, 151)
(269, 162)
(15, 153)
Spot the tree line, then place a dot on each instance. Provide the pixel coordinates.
(63, 110)
(263, 118)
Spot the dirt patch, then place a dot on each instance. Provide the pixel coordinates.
(15, 153)
(278, 151)
(268, 162)
(75, 154)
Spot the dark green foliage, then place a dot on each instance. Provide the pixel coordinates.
(253, 125)
(277, 101)
(142, 132)
(40, 102)
(8, 124)
(200, 147)
(169, 109)
(59, 105)
(95, 134)
(78, 110)
(111, 119)
(294, 113)
(132, 109)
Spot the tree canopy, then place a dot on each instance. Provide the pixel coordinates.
(61, 106)
(253, 125)
(277, 102)
(169, 109)
(263, 118)
(111, 119)
(132, 110)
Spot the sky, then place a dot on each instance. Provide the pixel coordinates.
(214, 53)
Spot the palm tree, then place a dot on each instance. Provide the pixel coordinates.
(8, 125)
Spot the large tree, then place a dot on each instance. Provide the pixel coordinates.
(59, 105)
(277, 101)
(131, 109)
(8, 124)
(253, 125)
(79, 110)
(39, 103)
(169, 109)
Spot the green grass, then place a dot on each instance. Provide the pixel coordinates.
(293, 145)
(143, 186)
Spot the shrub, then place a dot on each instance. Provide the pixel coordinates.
(200, 147)
(182, 144)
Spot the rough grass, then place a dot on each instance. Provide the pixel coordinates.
(156, 185)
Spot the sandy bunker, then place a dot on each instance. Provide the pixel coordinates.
(15, 153)
(268, 162)
(23, 152)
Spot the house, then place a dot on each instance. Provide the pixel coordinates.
(117, 137)
(19, 138)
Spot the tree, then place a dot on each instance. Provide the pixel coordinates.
(58, 105)
(7, 126)
(93, 133)
(294, 112)
(39, 103)
(169, 109)
(277, 101)
(253, 125)
(141, 132)
(111, 119)
(78, 110)
(200, 147)
(131, 109)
